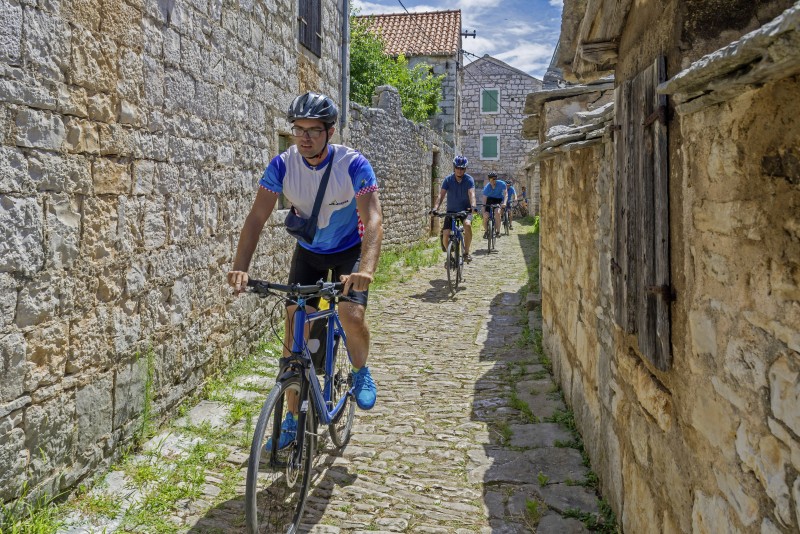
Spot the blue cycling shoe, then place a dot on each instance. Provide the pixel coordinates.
(288, 433)
(364, 388)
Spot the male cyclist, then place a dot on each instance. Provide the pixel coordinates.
(348, 236)
(493, 193)
(460, 190)
(511, 194)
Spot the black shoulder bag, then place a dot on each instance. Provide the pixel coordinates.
(305, 229)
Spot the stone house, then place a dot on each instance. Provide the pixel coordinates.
(132, 136)
(433, 38)
(670, 256)
(491, 118)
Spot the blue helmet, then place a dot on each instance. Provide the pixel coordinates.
(460, 161)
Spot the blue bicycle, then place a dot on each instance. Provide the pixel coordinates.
(279, 470)
(454, 260)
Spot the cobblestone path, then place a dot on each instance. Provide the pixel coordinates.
(457, 442)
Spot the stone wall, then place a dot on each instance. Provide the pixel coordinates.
(711, 444)
(514, 86)
(408, 159)
(132, 137)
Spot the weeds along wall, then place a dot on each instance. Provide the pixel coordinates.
(132, 137)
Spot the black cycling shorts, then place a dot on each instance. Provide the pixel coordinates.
(448, 218)
(310, 267)
(491, 201)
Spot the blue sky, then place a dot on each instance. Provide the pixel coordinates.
(522, 33)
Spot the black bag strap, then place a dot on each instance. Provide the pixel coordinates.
(323, 185)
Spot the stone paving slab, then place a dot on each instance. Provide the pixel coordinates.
(444, 450)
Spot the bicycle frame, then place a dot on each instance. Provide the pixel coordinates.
(456, 230)
(320, 395)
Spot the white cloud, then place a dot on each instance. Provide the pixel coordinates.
(528, 57)
(522, 33)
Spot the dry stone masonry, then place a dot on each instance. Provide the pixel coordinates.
(132, 135)
(709, 443)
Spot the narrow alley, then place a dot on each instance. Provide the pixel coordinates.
(469, 433)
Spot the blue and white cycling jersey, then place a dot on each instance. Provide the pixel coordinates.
(339, 226)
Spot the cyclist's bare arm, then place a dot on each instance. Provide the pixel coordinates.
(248, 238)
(472, 202)
(442, 194)
(369, 209)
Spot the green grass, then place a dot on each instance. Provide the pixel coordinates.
(23, 517)
(533, 512)
(542, 478)
(398, 264)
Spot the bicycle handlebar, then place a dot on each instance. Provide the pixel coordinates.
(263, 287)
(458, 214)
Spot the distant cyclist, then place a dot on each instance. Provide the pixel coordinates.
(460, 190)
(511, 196)
(524, 199)
(493, 193)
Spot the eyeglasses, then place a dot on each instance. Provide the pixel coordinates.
(461, 168)
(312, 133)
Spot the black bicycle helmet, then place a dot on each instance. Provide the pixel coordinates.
(313, 106)
(492, 174)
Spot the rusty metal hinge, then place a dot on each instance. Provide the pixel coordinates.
(666, 292)
(660, 114)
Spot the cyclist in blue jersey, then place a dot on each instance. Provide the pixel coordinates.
(460, 190)
(493, 193)
(511, 196)
(348, 234)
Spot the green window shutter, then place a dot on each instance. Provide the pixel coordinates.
(490, 99)
(489, 147)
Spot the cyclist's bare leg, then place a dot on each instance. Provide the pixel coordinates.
(353, 317)
(445, 238)
(467, 235)
(497, 220)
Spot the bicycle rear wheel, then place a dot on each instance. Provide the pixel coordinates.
(452, 266)
(342, 425)
(275, 491)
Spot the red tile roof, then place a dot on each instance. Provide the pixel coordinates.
(431, 33)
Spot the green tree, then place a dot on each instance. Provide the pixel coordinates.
(420, 91)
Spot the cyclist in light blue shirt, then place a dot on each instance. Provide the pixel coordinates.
(494, 193)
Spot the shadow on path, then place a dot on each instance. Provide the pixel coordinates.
(533, 476)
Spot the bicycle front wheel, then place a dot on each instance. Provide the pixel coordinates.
(342, 424)
(506, 222)
(278, 476)
(452, 266)
(459, 263)
(490, 233)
